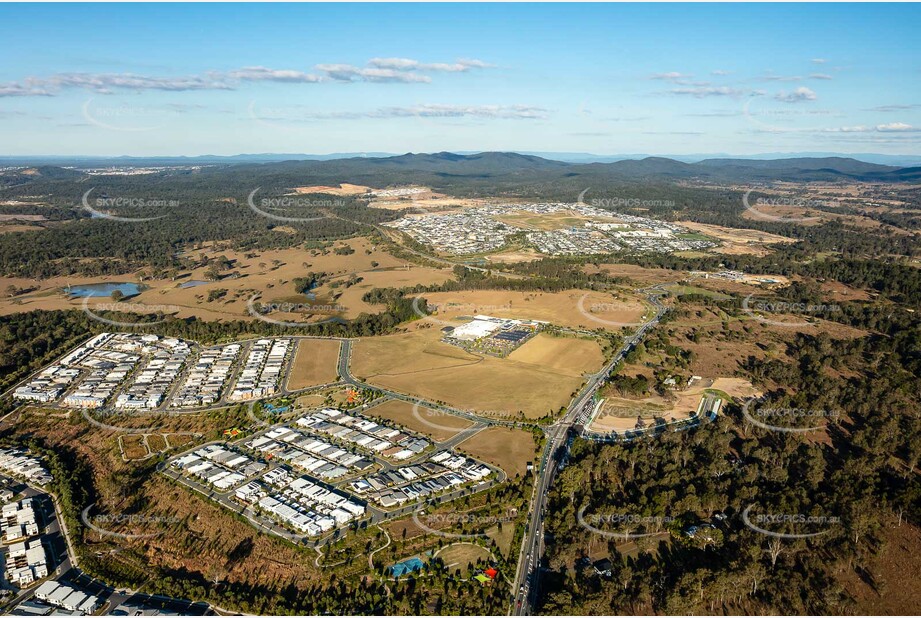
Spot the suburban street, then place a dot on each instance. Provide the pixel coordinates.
(559, 438)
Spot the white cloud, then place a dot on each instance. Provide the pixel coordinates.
(800, 94)
(407, 64)
(13, 89)
(896, 127)
(714, 91)
(432, 110)
(819, 60)
(277, 75)
(892, 127)
(349, 73)
(720, 72)
(771, 77)
(108, 82)
(399, 70)
(671, 76)
(855, 129)
(894, 108)
(820, 76)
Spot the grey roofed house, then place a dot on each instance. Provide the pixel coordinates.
(421, 489)
(603, 567)
(58, 595)
(90, 605)
(46, 588)
(31, 608)
(131, 608)
(74, 600)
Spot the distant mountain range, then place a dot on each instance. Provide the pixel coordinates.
(566, 157)
(510, 168)
(508, 165)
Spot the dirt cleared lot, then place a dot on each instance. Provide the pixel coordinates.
(513, 256)
(314, 363)
(418, 363)
(343, 189)
(572, 308)
(553, 221)
(620, 414)
(560, 354)
(738, 241)
(643, 276)
(425, 199)
(510, 449)
(437, 425)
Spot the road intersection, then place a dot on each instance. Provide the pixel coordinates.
(559, 438)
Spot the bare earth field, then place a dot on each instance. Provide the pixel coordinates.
(560, 354)
(620, 414)
(639, 274)
(16, 227)
(426, 200)
(724, 286)
(314, 363)
(560, 308)
(513, 256)
(439, 426)
(738, 241)
(418, 363)
(343, 189)
(840, 292)
(510, 449)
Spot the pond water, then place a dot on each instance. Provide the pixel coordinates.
(93, 290)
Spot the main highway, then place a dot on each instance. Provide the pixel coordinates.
(558, 440)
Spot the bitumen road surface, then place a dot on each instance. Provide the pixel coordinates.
(525, 587)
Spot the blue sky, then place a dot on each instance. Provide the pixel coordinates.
(174, 79)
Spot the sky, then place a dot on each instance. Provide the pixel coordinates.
(171, 79)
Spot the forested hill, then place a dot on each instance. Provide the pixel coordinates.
(448, 170)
